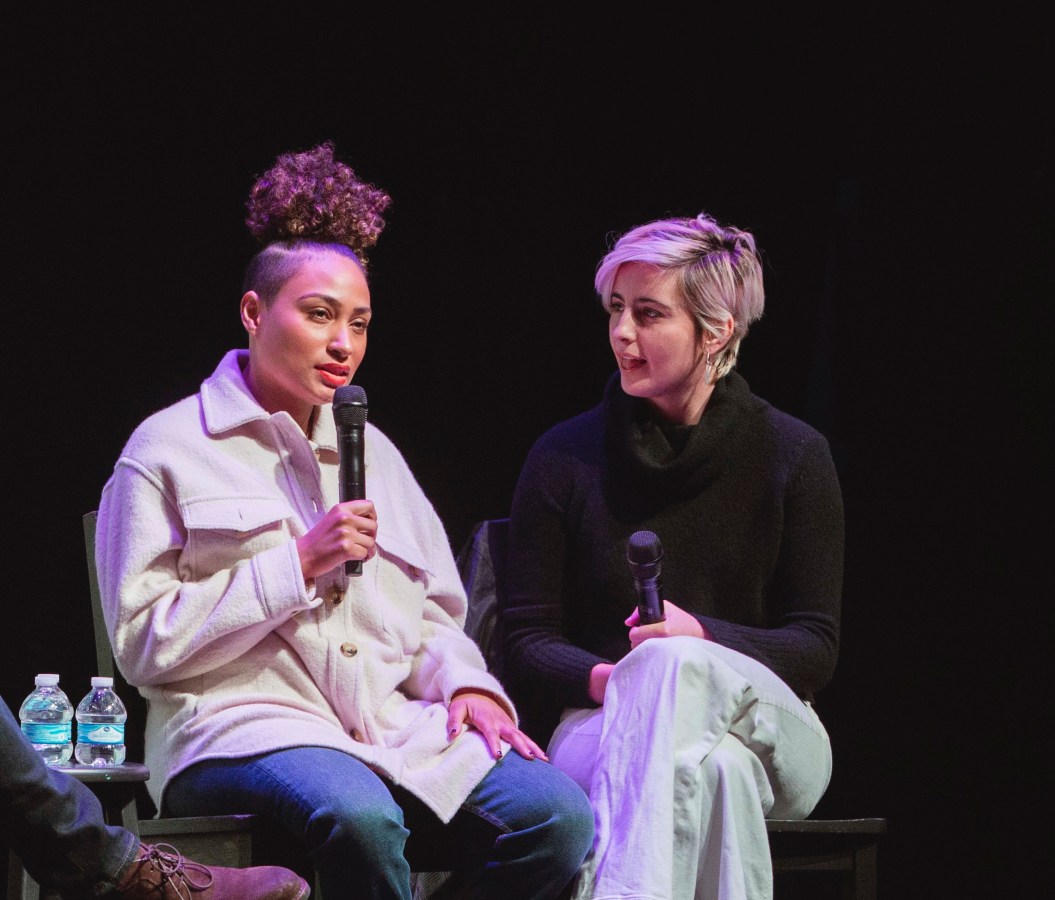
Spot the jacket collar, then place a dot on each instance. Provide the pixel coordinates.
(227, 403)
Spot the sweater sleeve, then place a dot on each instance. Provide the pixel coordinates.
(539, 659)
(803, 602)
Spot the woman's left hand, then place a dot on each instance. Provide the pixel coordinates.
(677, 622)
(490, 718)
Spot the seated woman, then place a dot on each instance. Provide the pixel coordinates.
(350, 708)
(688, 732)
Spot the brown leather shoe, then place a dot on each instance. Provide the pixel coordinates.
(160, 872)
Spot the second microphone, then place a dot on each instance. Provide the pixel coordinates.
(644, 553)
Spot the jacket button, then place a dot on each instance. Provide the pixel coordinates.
(349, 649)
(336, 595)
(357, 735)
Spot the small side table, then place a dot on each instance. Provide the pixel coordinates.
(115, 786)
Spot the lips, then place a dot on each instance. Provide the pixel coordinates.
(629, 363)
(334, 375)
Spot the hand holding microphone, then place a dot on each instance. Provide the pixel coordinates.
(346, 525)
(349, 414)
(644, 553)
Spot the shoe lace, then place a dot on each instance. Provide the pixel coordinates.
(176, 870)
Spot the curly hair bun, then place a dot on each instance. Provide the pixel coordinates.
(311, 196)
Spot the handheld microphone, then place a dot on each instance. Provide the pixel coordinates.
(644, 552)
(349, 413)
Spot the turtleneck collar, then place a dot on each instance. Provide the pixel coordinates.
(663, 462)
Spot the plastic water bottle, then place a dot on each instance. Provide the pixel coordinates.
(46, 716)
(101, 720)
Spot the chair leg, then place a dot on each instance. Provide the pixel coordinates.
(860, 883)
(19, 885)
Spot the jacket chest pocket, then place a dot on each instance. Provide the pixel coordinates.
(401, 585)
(222, 531)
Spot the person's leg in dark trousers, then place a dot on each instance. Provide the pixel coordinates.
(54, 824)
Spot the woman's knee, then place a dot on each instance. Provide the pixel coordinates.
(542, 814)
(568, 827)
(369, 829)
(577, 820)
(733, 771)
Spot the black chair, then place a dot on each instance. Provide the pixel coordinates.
(847, 847)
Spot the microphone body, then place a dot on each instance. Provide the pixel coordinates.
(349, 414)
(644, 553)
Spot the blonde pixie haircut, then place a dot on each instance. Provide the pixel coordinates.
(717, 273)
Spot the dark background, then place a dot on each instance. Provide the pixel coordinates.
(895, 169)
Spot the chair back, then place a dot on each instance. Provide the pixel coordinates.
(480, 565)
(104, 658)
(135, 734)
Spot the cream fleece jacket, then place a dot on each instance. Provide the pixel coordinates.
(211, 620)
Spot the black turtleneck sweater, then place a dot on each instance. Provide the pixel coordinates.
(746, 504)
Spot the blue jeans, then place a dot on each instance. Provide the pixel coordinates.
(523, 832)
(54, 823)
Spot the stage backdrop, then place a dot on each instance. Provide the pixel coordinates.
(897, 175)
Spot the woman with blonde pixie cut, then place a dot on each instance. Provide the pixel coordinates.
(716, 272)
(687, 732)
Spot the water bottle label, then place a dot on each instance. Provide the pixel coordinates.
(48, 733)
(104, 733)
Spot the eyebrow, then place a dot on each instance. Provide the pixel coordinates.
(652, 300)
(331, 301)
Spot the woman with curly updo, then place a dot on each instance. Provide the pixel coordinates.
(352, 709)
(690, 729)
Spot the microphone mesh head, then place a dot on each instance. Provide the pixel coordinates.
(349, 405)
(644, 549)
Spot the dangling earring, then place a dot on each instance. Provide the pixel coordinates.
(706, 368)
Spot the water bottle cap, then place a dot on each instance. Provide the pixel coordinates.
(47, 679)
(102, 681)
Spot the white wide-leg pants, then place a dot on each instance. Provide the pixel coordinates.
(695, 746)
